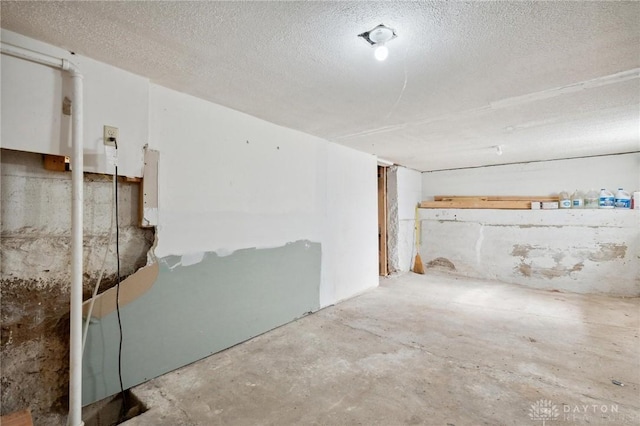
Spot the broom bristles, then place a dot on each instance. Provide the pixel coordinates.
(418, 267)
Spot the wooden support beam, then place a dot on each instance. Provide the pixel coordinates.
(132, 179)
(60, 163)
(56, 163)
(383, 267)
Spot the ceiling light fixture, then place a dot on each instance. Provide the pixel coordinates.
(377, 38)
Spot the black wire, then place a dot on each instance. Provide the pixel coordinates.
(124, 401)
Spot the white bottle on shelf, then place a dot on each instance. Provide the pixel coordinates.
(565, 200)
(591, 200)
(622, 199)
(606, 200)
(577, 200)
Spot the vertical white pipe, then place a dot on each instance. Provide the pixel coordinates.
(77, 181)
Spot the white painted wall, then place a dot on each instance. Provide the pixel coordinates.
(227, 180)
(350, 224)
(230, 181)
(31, 101)
(542, 178)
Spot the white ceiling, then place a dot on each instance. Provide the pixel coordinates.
(543, 79)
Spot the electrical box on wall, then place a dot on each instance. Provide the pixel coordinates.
(111, 135)
(149, 189)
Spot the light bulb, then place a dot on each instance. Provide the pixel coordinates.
(381, 52)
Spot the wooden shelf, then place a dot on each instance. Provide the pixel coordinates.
(515, 202)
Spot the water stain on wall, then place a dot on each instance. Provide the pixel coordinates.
(528, 255)
(441, 262)
(521, 250)
(528, 270)
(524, 269)
(608, 252)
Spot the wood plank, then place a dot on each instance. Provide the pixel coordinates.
(496, 197)
(456, 198)
(509, 205)
(522, 198)
(19, 418)
(56, 163)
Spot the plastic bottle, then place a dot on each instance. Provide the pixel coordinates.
(606, 200)
(565, 200)
(577, 200)
(591, 200)
(622, 199)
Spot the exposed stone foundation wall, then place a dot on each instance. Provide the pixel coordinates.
(35, 274)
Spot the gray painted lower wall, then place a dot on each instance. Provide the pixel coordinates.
(193, 311)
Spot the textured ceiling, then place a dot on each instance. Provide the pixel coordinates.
(543, 79)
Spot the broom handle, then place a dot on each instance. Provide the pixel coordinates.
(417, 231)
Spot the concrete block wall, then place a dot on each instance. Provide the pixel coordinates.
(583, 251)
(578, 251)
(35, 274)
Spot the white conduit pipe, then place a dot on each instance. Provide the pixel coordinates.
(77, 167)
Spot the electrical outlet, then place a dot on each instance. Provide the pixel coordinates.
(111, 135)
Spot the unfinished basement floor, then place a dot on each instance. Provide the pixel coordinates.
(433, 350)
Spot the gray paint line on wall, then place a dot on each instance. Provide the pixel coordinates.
(194, 311)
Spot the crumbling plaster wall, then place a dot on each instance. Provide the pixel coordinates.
(393, 224)
(35, 274)
(583, 251)
(580, 251)
(404, 187)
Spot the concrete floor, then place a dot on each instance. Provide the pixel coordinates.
(434, 350)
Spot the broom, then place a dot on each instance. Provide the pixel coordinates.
(418, 267)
